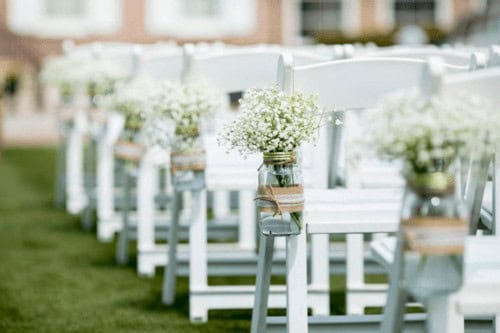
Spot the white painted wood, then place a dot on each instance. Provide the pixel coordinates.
(354, 270)
(221, 203)
(145, 209)
(263, 282)
(198, 254)
(320, 273)
(75, 191)
(170, 278)
(106, 214)
(247, 217)
(296, 282)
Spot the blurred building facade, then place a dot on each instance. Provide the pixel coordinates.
(32, 29)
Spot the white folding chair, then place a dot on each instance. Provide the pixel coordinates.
(483, 84)
(231, 71)
(340, 85)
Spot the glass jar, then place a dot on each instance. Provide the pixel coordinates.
(280, 196)
(434, 224)
(129, 147)
(187, 163)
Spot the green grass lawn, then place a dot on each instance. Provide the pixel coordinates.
(54, 277)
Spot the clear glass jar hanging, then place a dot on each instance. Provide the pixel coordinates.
(187, 161)
(434, 225)
(280, 195)
(129, 146)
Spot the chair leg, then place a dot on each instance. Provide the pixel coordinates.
(60, 186)
(496, 324)
(198, 265)
(320, 272)
(396, 298)
(354, 271)
(123, 236)
(442, 316)
(296, 283)
(170, 275)
(89, 183)
(263, 281)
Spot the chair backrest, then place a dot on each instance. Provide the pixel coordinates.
(450, 56)
(350, 84)
(482, 84)
(160, 63)
(235, 70)
(238, 69)
(120, 55)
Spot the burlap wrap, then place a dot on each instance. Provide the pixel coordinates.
(279, 200)
(130, 151)
(192, 161)
(434, 235)
(98, 116)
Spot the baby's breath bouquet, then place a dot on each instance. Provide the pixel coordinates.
(175, 123)
(99, 77)
(134, 102)
(275, 124)
(272, 122)
(428, 134)
(177, 112)
(61, 72)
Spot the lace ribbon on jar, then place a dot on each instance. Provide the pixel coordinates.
(284, 197)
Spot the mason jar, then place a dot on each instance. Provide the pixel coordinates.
(280, 195)
(434, 225)
(188, 163)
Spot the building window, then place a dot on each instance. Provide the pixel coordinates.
(414, 12)
(201, 18)
(64, 8)
(319, 16)
(64, 18)
(201, 8)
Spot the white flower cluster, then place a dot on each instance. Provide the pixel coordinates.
(272, 122)
(177, 112)
(427, 134)
(71, 73)
(133, 101)
(61, 72)
(99, 77)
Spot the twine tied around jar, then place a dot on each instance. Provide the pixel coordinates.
(278, 158)
(272, 199)
(128, 150)
(187, 161)
(280, 199)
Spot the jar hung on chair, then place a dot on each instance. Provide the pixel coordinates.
(280, 196)
(434, 225)
(187, 161)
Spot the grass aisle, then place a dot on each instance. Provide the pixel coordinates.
(54, 277)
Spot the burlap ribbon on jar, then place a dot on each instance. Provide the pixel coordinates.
(434, 235)
(188, 161)
(129, 151)
(279, 200)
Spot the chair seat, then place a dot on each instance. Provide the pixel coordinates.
(352, 211)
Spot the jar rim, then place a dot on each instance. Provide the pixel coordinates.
(279, 157)
(432, 183)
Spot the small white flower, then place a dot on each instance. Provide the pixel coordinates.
(272, 122)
